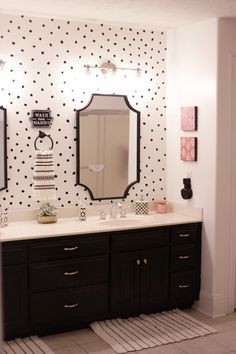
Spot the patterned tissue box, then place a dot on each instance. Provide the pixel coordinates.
(3, 218)
(141, 207)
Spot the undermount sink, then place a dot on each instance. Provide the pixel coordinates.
(136, 220)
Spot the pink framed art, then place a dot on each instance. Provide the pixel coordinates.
(188, 149)
(189, 118)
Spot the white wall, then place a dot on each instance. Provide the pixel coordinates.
(226, 167)
(192, 81)
(202, 71)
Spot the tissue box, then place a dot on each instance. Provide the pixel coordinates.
(141, 208)
(3, 218)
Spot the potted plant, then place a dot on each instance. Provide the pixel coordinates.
(47, 214)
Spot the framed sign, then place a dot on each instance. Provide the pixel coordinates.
(188, 149)
(41, 118)
(189, 118)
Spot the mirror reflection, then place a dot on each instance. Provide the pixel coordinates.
(3, 144)
(108, 146)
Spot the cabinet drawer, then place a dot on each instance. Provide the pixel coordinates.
(139, 240)
(183, 257)
(72, 273)
(67, 247)
(14, 253)
(84, 303)
(182, 288)
(184, 234)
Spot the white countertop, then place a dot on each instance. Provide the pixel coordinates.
(24, 230)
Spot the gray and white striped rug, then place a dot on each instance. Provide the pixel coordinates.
(29, 345)
(148, 331)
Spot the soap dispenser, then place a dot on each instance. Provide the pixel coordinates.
(141, 207)
(82, 211)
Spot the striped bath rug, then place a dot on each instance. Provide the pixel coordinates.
(148, 331)
(29, 345)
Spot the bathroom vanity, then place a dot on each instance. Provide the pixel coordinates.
(55, 280)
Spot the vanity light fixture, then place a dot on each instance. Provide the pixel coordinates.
(109, 67)
(2, 63)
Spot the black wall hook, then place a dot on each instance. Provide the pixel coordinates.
(41, 136)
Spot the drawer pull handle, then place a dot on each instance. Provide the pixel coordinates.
(71, 273)
(145, 261)
(70, 248)
(184, 286)
(185, 257)
(71, 306)
(138, 262)
(184, 235)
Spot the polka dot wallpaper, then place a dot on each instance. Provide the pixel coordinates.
(44, 69)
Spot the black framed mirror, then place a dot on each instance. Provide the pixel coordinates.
(3, 148)
(108, 146)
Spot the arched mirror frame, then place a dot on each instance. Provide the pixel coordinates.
(137, 147)
(4, 147)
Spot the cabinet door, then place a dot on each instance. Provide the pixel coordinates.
(154, 279)
(14, 300)
(125, 283)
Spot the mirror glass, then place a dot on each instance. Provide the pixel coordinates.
(3, 148)
(108, 146)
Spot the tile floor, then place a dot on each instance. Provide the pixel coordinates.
(85, 341)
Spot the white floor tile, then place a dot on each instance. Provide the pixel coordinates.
(202, 345)
(99, 347)
(59, 341)
(227, 339)
(84, 336)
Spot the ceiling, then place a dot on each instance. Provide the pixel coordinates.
(163, 14)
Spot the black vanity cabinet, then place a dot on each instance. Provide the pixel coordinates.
(139, 271)
(62, 283)
(15, 293)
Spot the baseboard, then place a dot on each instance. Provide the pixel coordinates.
(211, 305)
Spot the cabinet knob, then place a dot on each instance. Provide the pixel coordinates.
(184, 235)
(184, 286)
(145, 261)
(71, 306)
(71, 248)
(71, 273)
(185, 257)
(138, 262)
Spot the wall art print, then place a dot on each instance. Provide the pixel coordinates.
(188, 148)
(189, 118)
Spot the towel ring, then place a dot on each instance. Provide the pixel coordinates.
(41, 136)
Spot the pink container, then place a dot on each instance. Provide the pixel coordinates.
(161, 207)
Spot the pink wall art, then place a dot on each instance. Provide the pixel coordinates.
(188, 149)
(189, 118)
